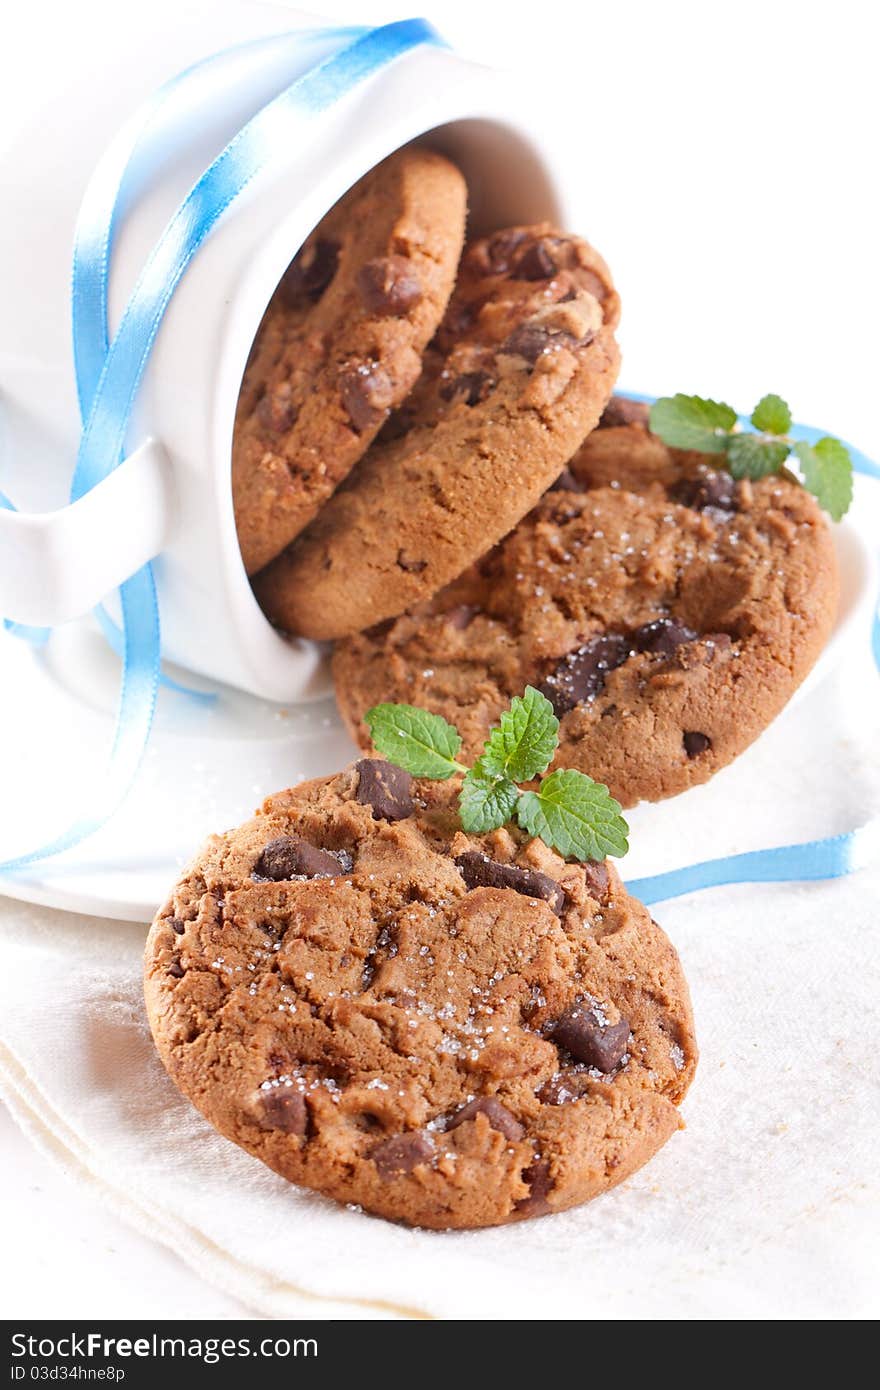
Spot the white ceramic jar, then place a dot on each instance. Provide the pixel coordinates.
(171, 501)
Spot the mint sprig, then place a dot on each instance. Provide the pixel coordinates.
(525, 740)
(416, 740)
(569, 811)
(575, 815)
(710, 427)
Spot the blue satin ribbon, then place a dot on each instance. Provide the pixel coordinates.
(37, 636)
(109, 373)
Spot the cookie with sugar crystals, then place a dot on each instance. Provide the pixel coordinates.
(446, 1030)
(521, 369)
(341, 343)
(667, 611)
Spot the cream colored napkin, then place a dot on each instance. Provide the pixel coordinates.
(766, 1206)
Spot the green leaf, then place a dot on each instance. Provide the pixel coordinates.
(771, 415)
(827, 470)
(525, 740)
(485, 800)
(572, 813)
(750, 456)
(421, 742)
(689, 422)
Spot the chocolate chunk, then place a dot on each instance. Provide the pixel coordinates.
(662, 636)
(695, 743)
(388, 789)
(176, 970)
(276, 409)
(581, 675)
(401, 1154)
(498, 1115)
(530, 340)
(711, 487)
(567, 482)
(312, 270)
(620, 411)
(176, 925)
(582, 1032)
(596, 876)
(470, 387)
(500, 251)
(538, 262)
(284, 1108)
(537, 1175)
(287, 858)
(367, 391)
(388, 286)
(478, 871)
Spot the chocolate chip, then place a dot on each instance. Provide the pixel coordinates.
(478, 871)
(388, 789)
(582, 1032)
(695, 743)
(288, 857)
(284, 1108)
(711, 487)
(498, 1115)
(597, 879)
(500, 249)
(276, 409)
(537, 1175)
(313, 269)
(176, 970)
(567, 482)
(662, 636)
(620, 411)
(470, 388)
(581, 675)
(530, 340)
(366, 390)
(537, 262)
(388, 286)
(176, 925)
(401, 1154)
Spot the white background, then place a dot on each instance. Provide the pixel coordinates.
(727, 166)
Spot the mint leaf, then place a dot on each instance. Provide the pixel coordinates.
(485, 801)
(771, 416)
(827, 470)
(750, 456)
(689, 422)
(421, 742)
(572, 813)
(525, 740)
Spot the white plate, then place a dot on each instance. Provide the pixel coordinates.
(206, 767)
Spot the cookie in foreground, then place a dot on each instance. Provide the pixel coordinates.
(445, 1030)
(668, 612)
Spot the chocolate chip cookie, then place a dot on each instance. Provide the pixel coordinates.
(520, 371)
(667, 611)
(341, 343)
(442, 1029)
